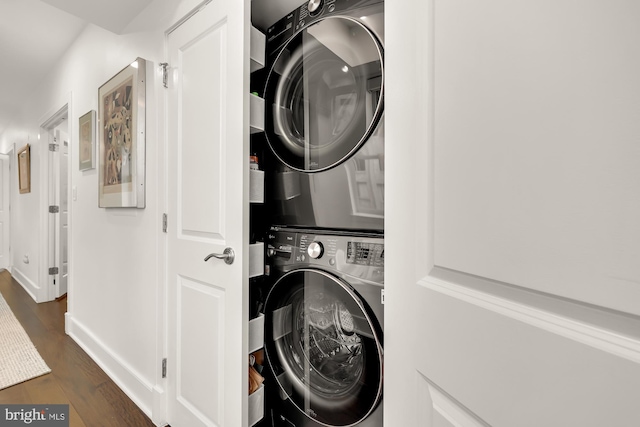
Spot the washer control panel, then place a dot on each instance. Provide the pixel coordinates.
(365, 253)
(360, 255)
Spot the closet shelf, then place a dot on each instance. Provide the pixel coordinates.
(258, 43)
(256, 406)
(256, 113)
(256, 342)
(256, 186)
(256, 333)
(256, 195)
(256, 259)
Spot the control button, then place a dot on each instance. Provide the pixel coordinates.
(315, 250)
(314, 6)
(271, 252)
(332, 261)
(332, 8)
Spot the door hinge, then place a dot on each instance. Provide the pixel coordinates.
(53, 270)
(165, 74)
(53, 147)
(164, 368)
(54, 209)
(164, 223)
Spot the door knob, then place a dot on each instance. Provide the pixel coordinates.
(228, 256)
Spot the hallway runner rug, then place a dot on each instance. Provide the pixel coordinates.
(19, 359)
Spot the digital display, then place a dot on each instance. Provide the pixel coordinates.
(365, 253)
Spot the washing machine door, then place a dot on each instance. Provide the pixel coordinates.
(323, 347)
(323, 95)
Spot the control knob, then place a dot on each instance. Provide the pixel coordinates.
(315, 250)
(314, 6)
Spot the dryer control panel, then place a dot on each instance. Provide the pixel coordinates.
(309, 12)
(358, 255)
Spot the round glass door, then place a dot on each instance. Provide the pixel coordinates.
(323, 347)
(323, 95)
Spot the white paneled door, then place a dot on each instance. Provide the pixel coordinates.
(59, 215)
(512, 246)
(208, 131)
(62, 237)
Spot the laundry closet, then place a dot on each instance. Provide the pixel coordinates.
(317, 215)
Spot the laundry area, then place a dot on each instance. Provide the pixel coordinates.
(317, 169)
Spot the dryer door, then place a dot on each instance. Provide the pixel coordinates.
(324, 94)
(323, 347)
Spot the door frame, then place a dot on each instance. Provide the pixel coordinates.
(47, 289)
(6, 194)
(58, 198)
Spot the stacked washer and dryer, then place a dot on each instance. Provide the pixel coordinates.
(325, 207)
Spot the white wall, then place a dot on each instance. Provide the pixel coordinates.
(25, 214)
(116, 285)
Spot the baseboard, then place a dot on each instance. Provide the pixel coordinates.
(31, 288)
(143, 393)
(160, 407)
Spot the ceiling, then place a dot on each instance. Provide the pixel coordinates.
(114, 15)
(34, 34)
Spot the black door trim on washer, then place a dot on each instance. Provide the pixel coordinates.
(324, 94)
(323, 347)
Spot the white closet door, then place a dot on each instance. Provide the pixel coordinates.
(513, 273)
(208, 138)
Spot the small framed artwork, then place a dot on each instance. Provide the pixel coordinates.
(87, 141)
(121, 136)
(24, 169)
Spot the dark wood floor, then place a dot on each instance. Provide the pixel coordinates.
(93, 399)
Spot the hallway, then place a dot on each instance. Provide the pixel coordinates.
(94, 400)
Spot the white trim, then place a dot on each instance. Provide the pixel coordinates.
(55, 118)
(159, 406)
(132, 383)
(186, 17)
(593, 336)
(450, 409)
(12, 202)
(48, 121)
(29, 286)
(5, 227)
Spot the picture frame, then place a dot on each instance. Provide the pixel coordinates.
(24, 169)
(121, 136)
(87, 141)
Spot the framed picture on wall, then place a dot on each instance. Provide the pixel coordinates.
(24, 169)
(121, 136)
(87, 141)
